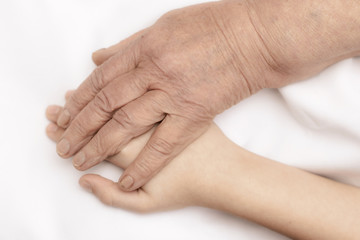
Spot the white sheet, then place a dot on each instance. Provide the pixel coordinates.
(313, 124)
(45, 49)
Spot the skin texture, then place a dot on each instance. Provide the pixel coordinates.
(214, 172)
(191, 65)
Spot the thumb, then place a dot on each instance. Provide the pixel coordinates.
(108, 192)
(104, 54)
(170, 138)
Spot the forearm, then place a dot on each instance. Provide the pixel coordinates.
(308, 35)
(290, 201)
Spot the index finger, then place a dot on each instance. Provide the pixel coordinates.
(120, 63)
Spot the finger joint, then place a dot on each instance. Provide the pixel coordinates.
(123, 118)
(97, 79)
(160, 147)
(103, 102)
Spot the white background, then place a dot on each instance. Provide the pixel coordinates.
(45, 49)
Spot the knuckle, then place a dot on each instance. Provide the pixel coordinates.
(98, 145)
(103, 102)
(160, 147)
(124, 118)
(199, 113)
(78, 129)
(97, 79)
(143, 168)
(160, 101)
(194, 110)
(140, 80)
(77, 101)
(158, 151)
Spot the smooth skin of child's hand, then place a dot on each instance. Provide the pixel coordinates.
(215, 173)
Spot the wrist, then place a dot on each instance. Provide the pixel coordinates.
(304, 37)
(230, 183)
(213, 157)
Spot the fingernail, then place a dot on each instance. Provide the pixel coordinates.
(86, 186)
(127, 182)
(52, 110)
(63, 147)
(64, 118)
(52, 128)
(79, 159)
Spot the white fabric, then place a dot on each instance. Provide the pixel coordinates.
(313, 124)
(45, 49)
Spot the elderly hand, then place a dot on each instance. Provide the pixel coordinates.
(188, 187)
(249, 186)
(191, 65)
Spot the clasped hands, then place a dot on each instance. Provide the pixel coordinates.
(178, 74)
(150, 102)
(182, 183)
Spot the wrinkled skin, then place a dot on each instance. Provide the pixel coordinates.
(191, 65)
(166, 190)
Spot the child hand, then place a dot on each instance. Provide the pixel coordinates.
(180, 184)
(214, 172)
